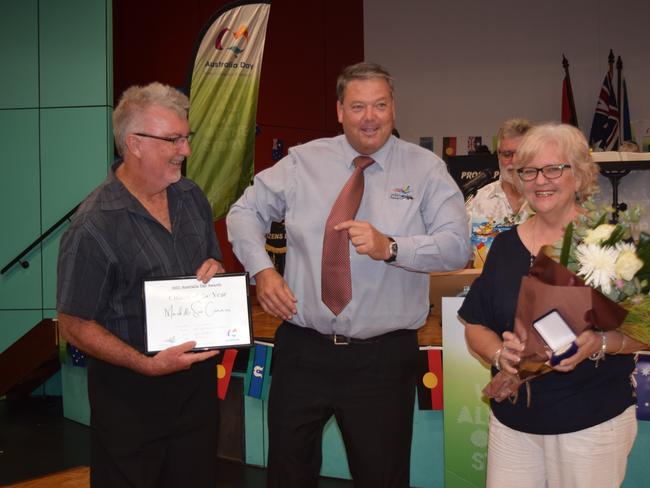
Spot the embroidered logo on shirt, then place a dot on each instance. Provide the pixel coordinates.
(403, 193)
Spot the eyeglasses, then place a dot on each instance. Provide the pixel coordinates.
(176, 140)
(550, 171)
(506, 154)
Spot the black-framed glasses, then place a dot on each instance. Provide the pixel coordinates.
(175, 140)
(550, 171)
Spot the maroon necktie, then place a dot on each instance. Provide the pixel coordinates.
(336, 281)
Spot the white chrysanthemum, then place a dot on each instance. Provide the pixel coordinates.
(599, 234)
(597, 265)
(628, 263)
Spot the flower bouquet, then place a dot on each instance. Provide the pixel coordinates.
(614, 259)
(597, 276)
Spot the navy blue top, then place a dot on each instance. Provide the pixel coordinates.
(560, 402)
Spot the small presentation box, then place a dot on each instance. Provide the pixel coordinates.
(557, 334)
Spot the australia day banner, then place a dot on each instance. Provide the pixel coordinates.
(224, 87)
(466, 413)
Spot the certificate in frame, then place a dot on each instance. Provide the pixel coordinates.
(216, 314)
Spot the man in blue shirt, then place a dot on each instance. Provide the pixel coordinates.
(358, 364)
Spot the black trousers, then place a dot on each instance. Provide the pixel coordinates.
(370, 390)
(153, 431)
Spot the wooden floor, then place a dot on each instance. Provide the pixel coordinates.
(70, 478)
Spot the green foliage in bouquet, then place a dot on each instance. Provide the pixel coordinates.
(612, 258)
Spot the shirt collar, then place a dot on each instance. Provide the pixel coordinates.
(380, 157)
(118, 197)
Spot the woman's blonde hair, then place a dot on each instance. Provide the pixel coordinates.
(573, 147)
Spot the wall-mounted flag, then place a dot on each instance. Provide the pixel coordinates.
(430, 379)
(448, 147)
(224, 371)
(257, 380)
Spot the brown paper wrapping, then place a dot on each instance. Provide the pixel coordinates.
(549, 286)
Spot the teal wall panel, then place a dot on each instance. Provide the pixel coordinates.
(74, 160)
(335, 459)
(18, 54)
(50, 252)
(74, 383)
(15, 323)
(637, 465)
(74, 149)
(427, 449)
(74, 38)
(56, 67)
(20, 208)
(255, 431)
(109, 54)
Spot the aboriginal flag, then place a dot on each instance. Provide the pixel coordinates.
(224, 372)
(430, 379)
(448, 147)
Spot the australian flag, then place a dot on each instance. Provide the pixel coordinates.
(604, 128)
(78, 358)
(641, 379)
(277, 150)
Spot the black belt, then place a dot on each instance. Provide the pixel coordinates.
(341, 340)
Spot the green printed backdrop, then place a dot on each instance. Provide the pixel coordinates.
(223, 103)
(465, 412)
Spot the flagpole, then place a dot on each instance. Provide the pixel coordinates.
(572, 105)
(610, 61)
(619, 70)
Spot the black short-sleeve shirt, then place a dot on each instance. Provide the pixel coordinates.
(559, 402)
(113, 244)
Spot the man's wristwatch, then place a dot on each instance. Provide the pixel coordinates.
(392, 249)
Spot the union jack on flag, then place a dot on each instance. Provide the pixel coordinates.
(604, 128)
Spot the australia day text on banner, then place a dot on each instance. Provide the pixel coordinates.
(224, 88)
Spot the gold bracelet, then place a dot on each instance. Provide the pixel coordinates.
(623, 342)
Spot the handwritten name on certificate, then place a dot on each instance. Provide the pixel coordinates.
(215, 314)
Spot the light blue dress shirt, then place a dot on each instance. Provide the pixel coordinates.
(408, 196)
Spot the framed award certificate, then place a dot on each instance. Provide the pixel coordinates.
(216, 314)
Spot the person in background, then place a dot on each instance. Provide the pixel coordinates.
(154, 418)
(574, 426)
(499, 205)
(356, 360)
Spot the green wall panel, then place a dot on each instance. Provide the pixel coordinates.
(20, 208)
(18, 54)
(15, 323)
(74, 38)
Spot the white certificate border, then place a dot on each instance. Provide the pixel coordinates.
(161, 282)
